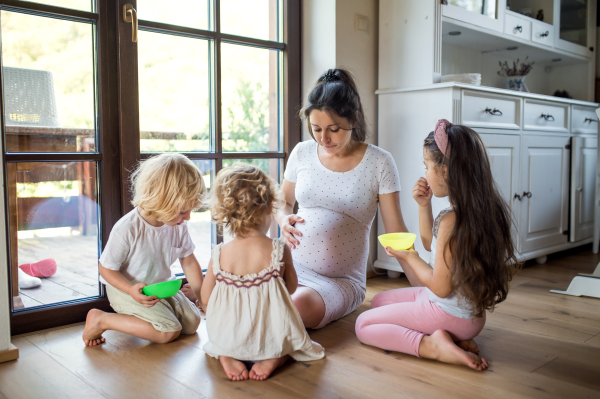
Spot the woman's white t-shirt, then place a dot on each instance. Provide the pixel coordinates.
(144, 253)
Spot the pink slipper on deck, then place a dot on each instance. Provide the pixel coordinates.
(42, 268)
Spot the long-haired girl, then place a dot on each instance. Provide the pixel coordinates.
(472, 258)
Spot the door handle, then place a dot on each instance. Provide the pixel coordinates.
(494, 111)
(130, 16)
(545, 34)
(518, 28)
(517, 196)
(526, 194)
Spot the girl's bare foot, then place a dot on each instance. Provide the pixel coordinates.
(92, 334)
(263, 369)
(468, 346)
(439, 346)
(235, 370)
(189, 293)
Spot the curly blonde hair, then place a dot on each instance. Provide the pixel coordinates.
(165, 184)
(242, 197)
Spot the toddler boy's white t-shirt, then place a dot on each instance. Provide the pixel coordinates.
(144, 253)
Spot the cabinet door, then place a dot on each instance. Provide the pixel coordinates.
(485, 13)
(544, 186)
(576, 23)
(503, 152)
(584, 156)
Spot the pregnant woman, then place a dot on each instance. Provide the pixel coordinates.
(338, 181)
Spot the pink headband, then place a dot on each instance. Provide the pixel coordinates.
(440, 134)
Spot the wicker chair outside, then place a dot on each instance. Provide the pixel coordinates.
(29, 98)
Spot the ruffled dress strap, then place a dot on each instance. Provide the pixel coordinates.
(277, 254)
(216, 256)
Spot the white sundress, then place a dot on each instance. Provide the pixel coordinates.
(253, 317)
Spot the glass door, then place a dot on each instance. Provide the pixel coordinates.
(83, 102)
(54, 141)
(210, 86)
(484, 13)
(576, 31)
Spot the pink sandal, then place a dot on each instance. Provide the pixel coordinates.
(42, 268)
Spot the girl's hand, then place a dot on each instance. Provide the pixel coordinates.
(404, 255)
(422, 192)
(288, 231)
(136, 293)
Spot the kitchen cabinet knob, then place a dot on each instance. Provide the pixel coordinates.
(548, 117)
(590, 120)
(526, 194)
(518, 28)
(545, 34)
(517, 196)
(495, 112)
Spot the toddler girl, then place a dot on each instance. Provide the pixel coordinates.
(472, 258)
(250, 315)
(140, 250)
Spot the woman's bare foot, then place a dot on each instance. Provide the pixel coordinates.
(439, 346)
(263, 369)
(235, 370)
(92, 334)
(189, 293)
(468, 346)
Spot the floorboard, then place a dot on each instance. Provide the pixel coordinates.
(539, 345)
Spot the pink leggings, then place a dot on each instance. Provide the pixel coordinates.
(400, 318)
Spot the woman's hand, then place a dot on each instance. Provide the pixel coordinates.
(422, 192)
(136, 293)
(288, 232)
(404, 255)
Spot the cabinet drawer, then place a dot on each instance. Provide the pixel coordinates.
(490, 110)
(542, 33)
(584, 120)
(517, 27)
(546, 116)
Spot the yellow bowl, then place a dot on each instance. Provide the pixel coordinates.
(397, 241)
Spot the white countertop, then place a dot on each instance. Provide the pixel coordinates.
(488, 90)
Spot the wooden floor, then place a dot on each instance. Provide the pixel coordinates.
(540, 345)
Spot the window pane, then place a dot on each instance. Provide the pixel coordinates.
(48, 77)
(250, 99)
(83, 5)
(190, 13)
(272, 167)
(200, 224)
(53, 222)
(174, 93)
(256, 18)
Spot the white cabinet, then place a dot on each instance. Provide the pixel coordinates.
(503, 153)
(544, 188)
(584, 156)
(485, 13)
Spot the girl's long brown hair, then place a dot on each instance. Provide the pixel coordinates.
(481, 246)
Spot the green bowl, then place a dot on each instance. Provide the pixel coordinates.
(162, 290)
(397, 241)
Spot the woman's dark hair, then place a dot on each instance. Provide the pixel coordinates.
(481, 246)
(335, 92)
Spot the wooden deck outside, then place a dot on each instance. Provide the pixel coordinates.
(77, 264)
(539, 344)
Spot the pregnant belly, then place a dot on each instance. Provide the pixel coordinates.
(332, 244)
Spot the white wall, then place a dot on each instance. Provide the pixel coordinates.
(4, 286)
(329, 40)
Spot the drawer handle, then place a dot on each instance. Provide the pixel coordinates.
(518, 28)
(548, 117)
(494, 111)
(545, 34)
(590, 120)
(517, 196)
(526, 194)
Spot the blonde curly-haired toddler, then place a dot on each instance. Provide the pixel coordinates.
(249, 312)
